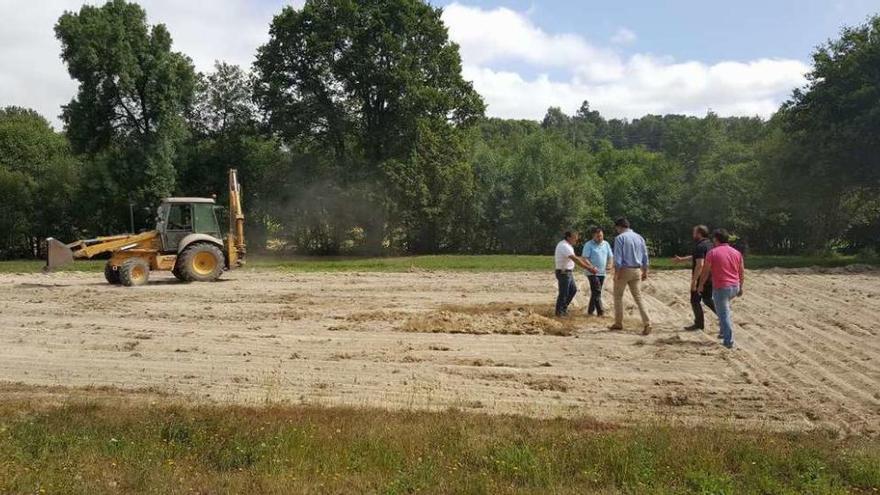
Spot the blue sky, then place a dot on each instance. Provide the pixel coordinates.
(705, 30)
(628, 58)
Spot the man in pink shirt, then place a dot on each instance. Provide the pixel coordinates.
(725, 265)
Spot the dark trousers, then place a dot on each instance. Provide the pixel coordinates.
(705, 298)
(596, 282)
(567, 290)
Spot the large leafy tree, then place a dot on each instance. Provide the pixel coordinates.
(224, 133)
(133, 91)
(374, 84)
(223, 102)
(434, 193)
(222, 129)
(38, 177)
(361, 74)
(838, 113)
(584, 130)
(834, 128)
(532, 184)
(553, 187)
(644, 187)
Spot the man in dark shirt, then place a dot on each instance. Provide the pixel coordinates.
(702, 245)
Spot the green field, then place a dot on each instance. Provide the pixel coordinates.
(463, 263)
(93, 447)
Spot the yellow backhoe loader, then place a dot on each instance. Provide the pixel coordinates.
(187, 240)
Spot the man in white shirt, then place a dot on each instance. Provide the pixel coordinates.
(565, 262)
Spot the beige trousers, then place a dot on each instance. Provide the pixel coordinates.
(631, 277)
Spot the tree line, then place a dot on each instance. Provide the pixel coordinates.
(355, 133)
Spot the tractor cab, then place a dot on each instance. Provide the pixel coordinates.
(180, 217)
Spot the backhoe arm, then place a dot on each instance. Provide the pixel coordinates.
(235, 245)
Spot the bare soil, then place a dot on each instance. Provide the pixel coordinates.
(807, 357)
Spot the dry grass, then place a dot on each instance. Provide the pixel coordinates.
(376, 315)
(107, 443)
(545, 383)
(500, 318)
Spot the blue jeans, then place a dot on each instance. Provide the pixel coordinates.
(722, 297)
(567, 290)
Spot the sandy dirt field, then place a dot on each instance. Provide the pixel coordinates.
(807, 358)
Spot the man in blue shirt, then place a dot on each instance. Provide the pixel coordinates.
(630, 269)
(598, 252)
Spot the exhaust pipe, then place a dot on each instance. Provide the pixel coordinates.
(57, 254)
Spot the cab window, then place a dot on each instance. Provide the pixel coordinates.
(204, 220)
(180, 217)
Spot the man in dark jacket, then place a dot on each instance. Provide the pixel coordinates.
(702, 245)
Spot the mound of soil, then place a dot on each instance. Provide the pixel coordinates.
(505, 319)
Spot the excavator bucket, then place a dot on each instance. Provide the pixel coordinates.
(57, 254)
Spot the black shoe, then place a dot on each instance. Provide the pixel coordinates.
(693, 328)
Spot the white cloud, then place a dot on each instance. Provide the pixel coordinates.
(624, 36)
(501, 34)
(32, 74)
(615, 85)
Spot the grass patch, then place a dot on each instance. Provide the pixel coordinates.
(458, 263)
(515, 263)
(461, 263)
(104, 447)
(36, 266)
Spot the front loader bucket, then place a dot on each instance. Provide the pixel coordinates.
(57, 254)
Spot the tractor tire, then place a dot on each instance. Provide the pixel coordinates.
(201, 262)
(134, 272)
(111, 275)
(176, 272)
